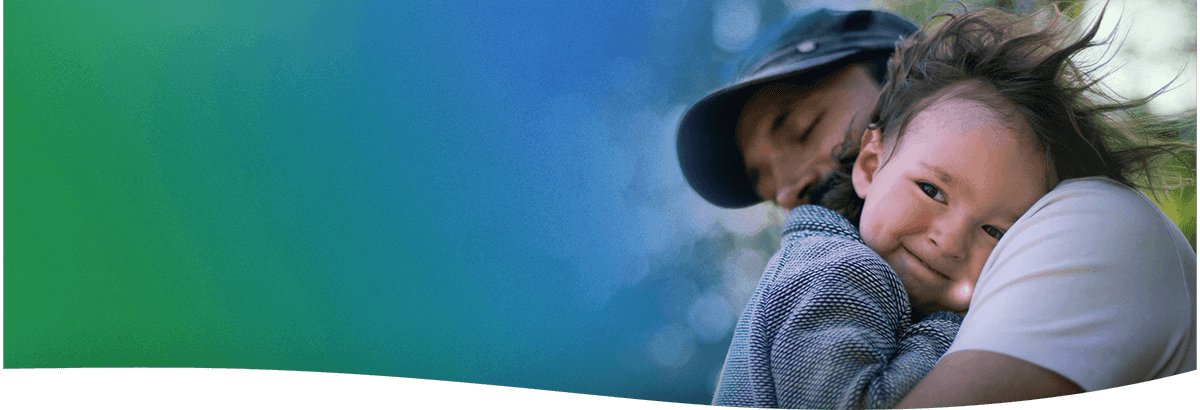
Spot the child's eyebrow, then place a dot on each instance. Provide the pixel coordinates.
(1012, 217)
(941, 174)
(945, 177)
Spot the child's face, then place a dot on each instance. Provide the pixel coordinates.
(935, 209)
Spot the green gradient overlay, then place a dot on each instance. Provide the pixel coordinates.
(185, 182)
(376, 188)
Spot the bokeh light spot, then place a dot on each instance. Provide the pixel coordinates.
(735, 23)
(744, 222)
(710, 318)
(672, 346)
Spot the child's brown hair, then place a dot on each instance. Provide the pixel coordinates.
(1031, 83)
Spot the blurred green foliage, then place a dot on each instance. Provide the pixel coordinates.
(1180, 203)
(1180, 206)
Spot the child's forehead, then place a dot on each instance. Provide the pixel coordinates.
(987, 100)
(950, 109)
(961, 128)
(964, 136)
(953, 120)
(941, 115)
(947, 110)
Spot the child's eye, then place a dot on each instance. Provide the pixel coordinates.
(993, 231)
(931, 191)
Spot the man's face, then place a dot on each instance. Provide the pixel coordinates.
(787, 132)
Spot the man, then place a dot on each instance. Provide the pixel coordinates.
(814, 90)
(770, 135)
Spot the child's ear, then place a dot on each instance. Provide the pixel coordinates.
(867, 162)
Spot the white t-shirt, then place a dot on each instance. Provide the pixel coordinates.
(1093, 283)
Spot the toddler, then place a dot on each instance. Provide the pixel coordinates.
(973, 126)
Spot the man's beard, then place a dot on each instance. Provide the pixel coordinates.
(816, 196)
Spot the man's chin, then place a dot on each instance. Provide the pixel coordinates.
(817, 195)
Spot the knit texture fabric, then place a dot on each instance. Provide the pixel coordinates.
(829, 326)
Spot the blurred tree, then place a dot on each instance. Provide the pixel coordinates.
(1180, 203)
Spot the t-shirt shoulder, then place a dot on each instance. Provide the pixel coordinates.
(1090, 265)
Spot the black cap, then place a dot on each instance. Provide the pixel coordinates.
(708, 152)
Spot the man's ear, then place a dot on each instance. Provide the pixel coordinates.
(867, 162)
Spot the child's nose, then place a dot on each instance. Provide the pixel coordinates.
(950, 236)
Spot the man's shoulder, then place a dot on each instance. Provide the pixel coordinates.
(817, 221)
(829, 250)
(1094, 237)
(821, 268)
(1097, 192)
(820, 258)
(819, 237)
(1102, 205)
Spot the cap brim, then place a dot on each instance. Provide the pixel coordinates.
(708, 154)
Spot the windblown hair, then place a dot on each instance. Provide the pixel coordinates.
(1031, 84)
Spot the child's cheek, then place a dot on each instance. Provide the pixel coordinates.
(868, 228)
(907, 214)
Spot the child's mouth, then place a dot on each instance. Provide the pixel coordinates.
(926, 265)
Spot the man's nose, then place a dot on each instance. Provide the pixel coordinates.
(791, 193)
